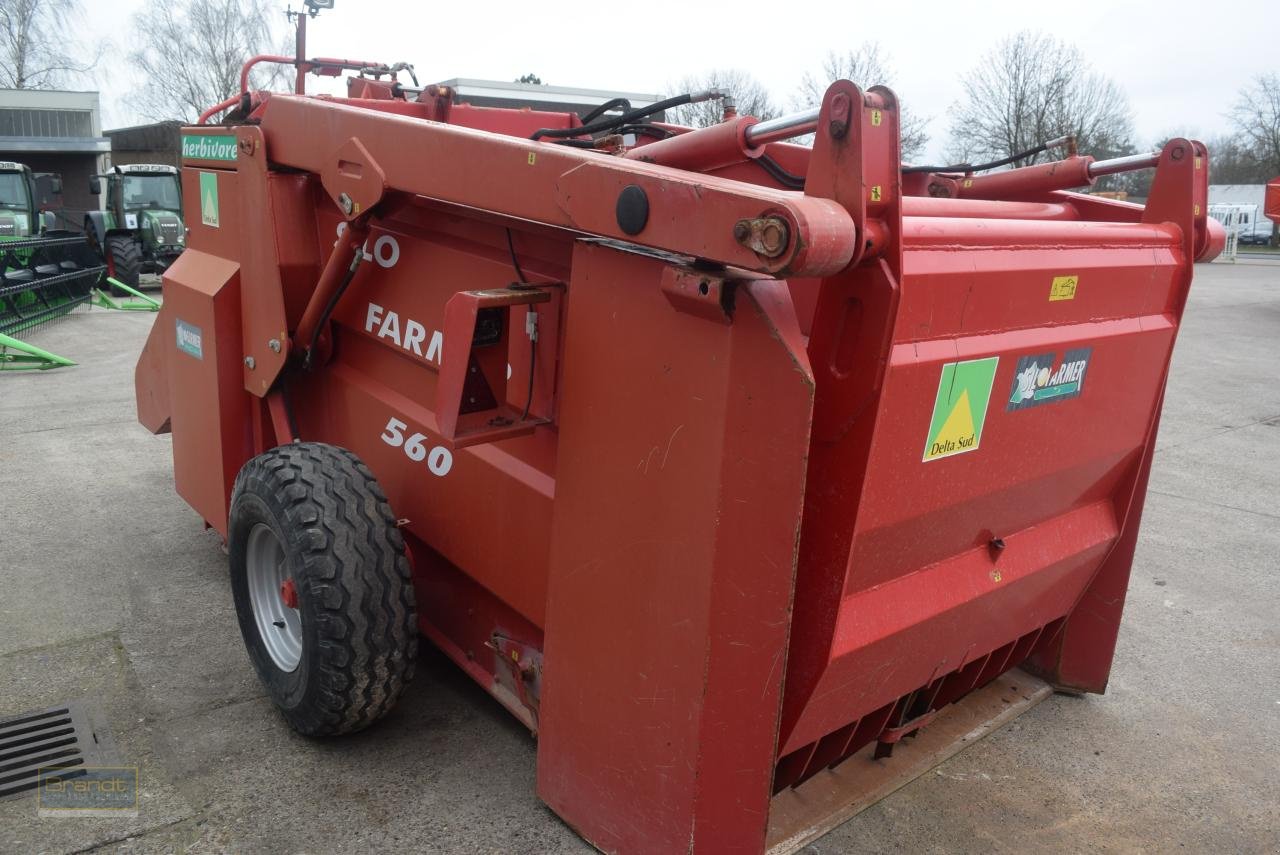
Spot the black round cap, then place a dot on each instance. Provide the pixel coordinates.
(633, 209)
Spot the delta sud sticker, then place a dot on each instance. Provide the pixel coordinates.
(960, 407)
(1043, 379)
(209, 210)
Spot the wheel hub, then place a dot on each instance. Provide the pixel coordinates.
(289, 594)
(274, 598)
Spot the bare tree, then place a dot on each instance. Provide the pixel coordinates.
(1230, 162)
(1256, 117)
(749, 94)
(191, 51)
(1033, 88)
(866, 65)
(36, 50)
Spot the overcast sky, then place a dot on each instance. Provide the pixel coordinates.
(1180, 65)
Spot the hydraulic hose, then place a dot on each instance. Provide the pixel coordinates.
(993, 164)
(608, 123)
(611, 104)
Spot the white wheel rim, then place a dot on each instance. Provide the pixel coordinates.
(279, 626)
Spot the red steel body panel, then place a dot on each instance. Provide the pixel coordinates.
(661, 566)
(745, 514)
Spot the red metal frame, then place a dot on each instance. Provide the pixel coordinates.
(704, 559)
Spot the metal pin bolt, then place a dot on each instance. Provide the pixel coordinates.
(767, 236)
(274, 344)
(773, 235)
(345, 203)
(250, 362)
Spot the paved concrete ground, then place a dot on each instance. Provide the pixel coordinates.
(110, 590)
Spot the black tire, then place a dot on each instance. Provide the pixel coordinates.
(125, 257)
(346, 558)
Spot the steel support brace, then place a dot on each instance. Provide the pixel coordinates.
(103, 300)
(19, 356)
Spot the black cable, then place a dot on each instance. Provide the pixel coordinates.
(611, 104)
(980, 167)
(779, 173)
(515, 262)
(645, 129)
(611, 122)
(331, 305)
(533, 339)
(641, 129)
(288, 409)
(533, 361)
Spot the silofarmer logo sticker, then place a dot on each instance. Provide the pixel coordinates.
(960, 407)
(1042, 379)
(190, 341)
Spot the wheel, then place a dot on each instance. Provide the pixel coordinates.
(322, 587)
(124, 260)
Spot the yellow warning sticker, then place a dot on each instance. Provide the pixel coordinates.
(876, 118)
(960, 407)
(876, 193)
(532, 157)
(1063, 288)
(968, 182)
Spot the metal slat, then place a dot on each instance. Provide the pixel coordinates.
(17, 725)
(43, 742)
(28, 766)
(15, 721)
(28, 783)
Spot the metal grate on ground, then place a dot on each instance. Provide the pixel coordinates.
(59, 738)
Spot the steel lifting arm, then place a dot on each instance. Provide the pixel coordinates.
(564, 187)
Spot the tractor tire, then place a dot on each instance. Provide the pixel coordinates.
(124, 260)
(322, 587)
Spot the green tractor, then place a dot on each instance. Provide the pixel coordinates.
(140, 228)
(18, 215)
(44, 273)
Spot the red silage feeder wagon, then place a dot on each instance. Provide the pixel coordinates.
(723, 463)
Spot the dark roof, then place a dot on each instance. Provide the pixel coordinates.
(160, 136)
